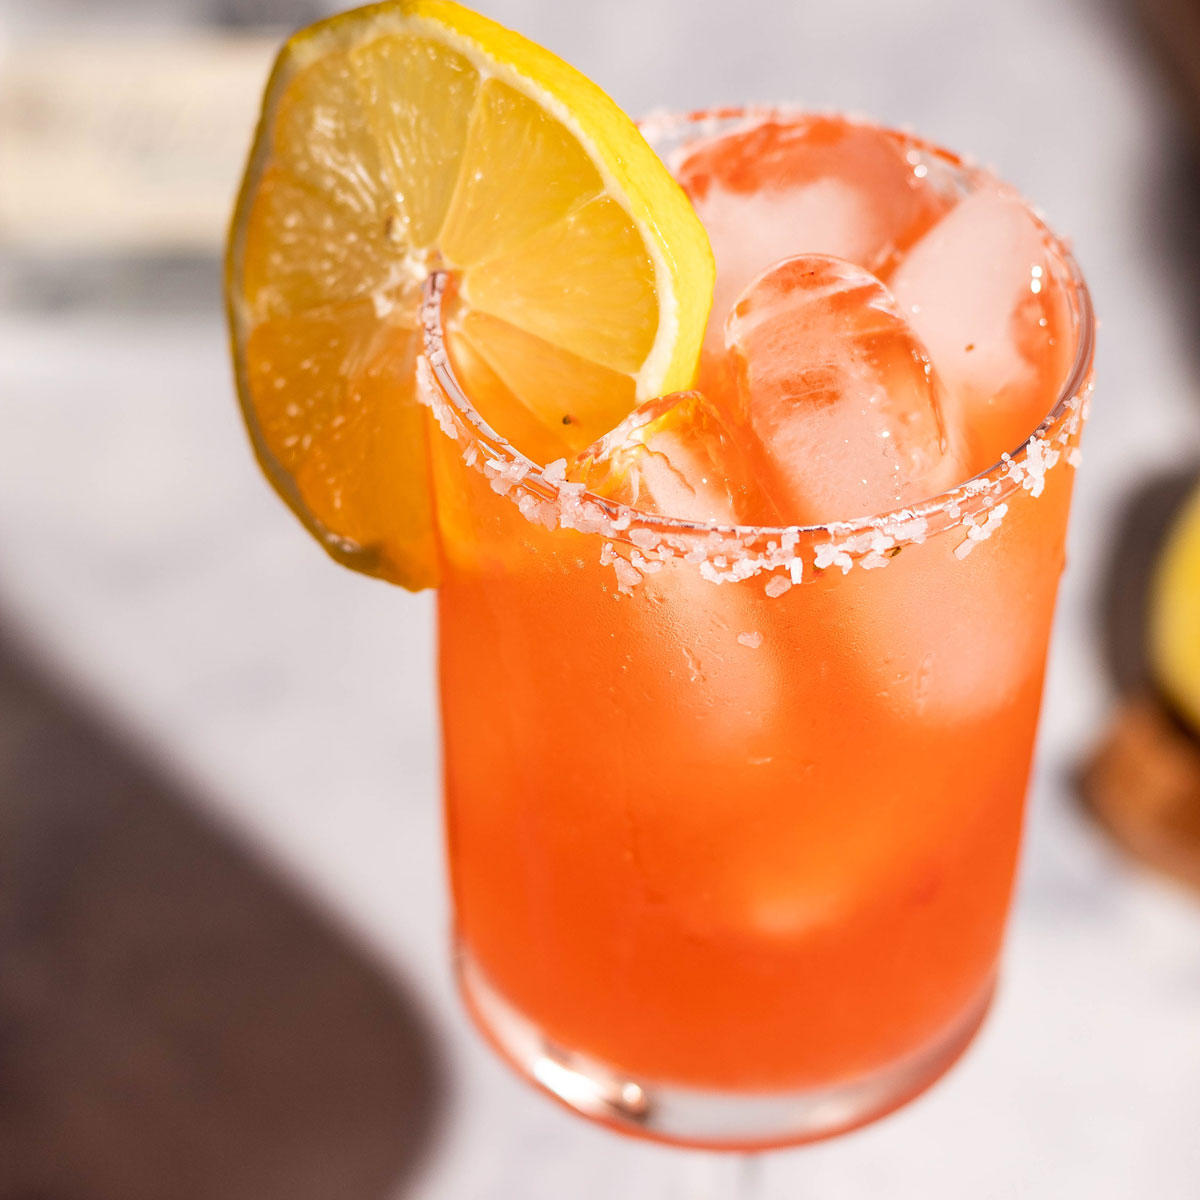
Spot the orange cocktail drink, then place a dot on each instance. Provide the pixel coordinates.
(735, 811)
(742, 463)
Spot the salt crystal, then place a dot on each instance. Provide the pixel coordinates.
(829, 554)
(980, 531)
(914, 528)
(429, 394)
(1039, 458)
(628, 576)
(753, 640)
(591, 518)
(777, 585)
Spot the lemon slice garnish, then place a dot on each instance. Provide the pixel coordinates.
(412, 136)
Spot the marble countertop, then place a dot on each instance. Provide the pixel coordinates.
(155, 590)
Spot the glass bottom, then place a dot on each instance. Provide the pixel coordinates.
(711, 1120)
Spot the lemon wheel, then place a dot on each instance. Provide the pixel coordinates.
(415, 136)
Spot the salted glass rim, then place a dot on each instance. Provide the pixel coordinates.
(955, 502)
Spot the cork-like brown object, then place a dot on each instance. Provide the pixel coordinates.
(1144, 785)
(1174, 27)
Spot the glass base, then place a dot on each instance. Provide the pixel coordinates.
(712, 1120)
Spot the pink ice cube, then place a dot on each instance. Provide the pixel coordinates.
(682, 456)
(679, 456)
(988, 295)
(819, 185)
(839, 392)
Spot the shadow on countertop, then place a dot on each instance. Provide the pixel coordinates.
(174, 1020)
(1137, 541)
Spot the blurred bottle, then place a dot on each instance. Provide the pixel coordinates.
(122, 133)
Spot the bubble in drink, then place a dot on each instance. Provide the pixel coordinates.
(820, 184)
(989, 298)
(680, 456)
(841, 396)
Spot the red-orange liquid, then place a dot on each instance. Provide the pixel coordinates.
(725, 865)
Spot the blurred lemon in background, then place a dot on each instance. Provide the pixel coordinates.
(1175, 614)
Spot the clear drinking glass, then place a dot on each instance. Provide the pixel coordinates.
(733, 813)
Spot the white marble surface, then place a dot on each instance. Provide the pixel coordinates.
(141, 553)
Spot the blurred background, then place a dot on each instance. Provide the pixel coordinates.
(223, 917)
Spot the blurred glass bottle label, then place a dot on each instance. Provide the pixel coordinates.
(134, 145)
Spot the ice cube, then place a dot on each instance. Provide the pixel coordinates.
(989, 297)
(680, 456)
(819, 185)
(839, 391)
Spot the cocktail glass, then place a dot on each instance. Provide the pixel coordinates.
(733, 813)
